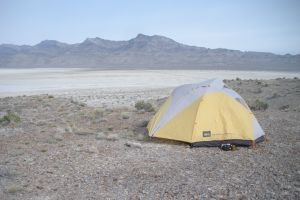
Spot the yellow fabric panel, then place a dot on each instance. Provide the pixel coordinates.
(224, 117)
(181, 126)
(157, 117)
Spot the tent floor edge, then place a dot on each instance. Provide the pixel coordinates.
(237, 142)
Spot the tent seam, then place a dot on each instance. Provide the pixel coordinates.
(196, 117)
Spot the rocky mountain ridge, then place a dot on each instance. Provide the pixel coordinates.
(141, 52)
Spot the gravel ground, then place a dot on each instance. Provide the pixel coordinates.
(63, 148)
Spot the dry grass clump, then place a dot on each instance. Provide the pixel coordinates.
(83, 133)
(109, 110)
(142, 105)
(263, 84)
(43, 150)
(275, 95)
(142, 137)
(99, 112)
(100, 136)
(109, 137)
(284, 107)
(78, 103)
(95, 115)
(259, 105)
(82, 104)
(239, 81)
(112, 137)
(12, 189)
(125, 116)
(257, 91)
(143, 123)
(9, 117)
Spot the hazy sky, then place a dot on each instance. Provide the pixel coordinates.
(256, 25)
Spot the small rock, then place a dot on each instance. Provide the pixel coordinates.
(92, 149)
(143, 123)
(84, 133)
(39, 187)
(100, 136)
(133, 144)
(125, 116)
(12, 189)
(103, 120)
(112, 137)
(68, 129)
(58, 136)
(140, 111)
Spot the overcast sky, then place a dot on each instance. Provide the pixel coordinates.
(253, 25)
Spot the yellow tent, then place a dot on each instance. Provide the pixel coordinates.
(206, 114)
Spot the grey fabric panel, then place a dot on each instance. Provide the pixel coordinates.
(258, 131)
(218, 143)
(260, 139)
(184, 95)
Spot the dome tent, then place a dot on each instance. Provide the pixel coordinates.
(206, 114)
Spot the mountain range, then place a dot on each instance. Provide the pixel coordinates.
(141, 52)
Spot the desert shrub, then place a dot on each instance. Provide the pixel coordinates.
(109, 110)
(100, 136)
(259, 105)
(110, 128)
(73, 101)
(141, 137)
(296, 78)
(275, 95)
(12, 189)
(238, 79)
(142, 105)
(78, 103)
(82, 104)
(125, 116)
(50, 96)
(143, 123)
(10, 117)
(112, 137)
(83, 133)
(99, 112)
(284, 107)
(257, 91)
(263, 84)
(43, 150)
(139, 105)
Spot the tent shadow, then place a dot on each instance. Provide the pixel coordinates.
(148, 139)
(166, 141)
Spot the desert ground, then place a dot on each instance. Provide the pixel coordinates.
(93, 144)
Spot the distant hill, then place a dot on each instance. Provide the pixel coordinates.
(141, 52)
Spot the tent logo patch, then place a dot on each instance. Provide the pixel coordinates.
(206, 133)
